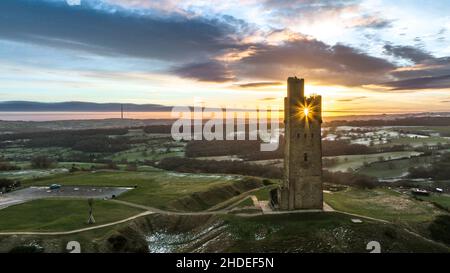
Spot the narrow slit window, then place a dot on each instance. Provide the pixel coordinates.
(305, 157)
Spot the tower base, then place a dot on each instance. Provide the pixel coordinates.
(282, 199)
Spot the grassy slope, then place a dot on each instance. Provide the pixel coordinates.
(264, 193)
(382, 204)
(318, 232)
(300, 232)
(88, 240)
(441, 200)
(248, 202)
(60, 215)
(307, 232)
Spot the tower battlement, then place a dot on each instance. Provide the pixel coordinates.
(302, 185)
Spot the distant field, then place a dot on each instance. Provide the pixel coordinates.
(150, 147)
(142, 153)
(354, 162)
(61, 215)
(394, 168)
(32, 173)
(155, 188)
(23, 154)
(417, 142)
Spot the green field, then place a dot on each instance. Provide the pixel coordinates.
(394, 168)
(142, 154)
(383, 204)
(23, 154)
(264, 193)
(248, 202)
(346, 162)
(152, 147)
(416, 142)
(156, 188)
(61, 215)
(442, 201)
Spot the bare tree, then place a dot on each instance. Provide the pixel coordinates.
(91, 219)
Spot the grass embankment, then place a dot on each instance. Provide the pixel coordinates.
(61, 215)
(440, 201)
(319, 232)
(383, 204)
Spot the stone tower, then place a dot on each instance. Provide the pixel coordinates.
(302, 185)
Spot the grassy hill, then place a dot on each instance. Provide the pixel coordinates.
(301, 232)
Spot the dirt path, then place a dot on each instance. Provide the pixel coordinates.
(168, 212)
(151, 210)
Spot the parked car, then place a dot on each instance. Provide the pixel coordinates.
(420, 192)
(54, 187)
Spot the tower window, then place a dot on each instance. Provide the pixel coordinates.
(305, 135)
(298, 135)
(305, 157)
(312, 135)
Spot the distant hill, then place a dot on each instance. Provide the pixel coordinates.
(76, 106)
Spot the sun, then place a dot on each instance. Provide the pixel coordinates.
(306, 111)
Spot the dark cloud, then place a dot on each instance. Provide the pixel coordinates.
(110, 31)
(315, 60)
(414, 54)
(435, 82)
(211, 71)
(259, 84)
(428, 71)
(267, 99)
(309, 58)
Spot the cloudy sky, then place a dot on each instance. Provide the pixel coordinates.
(363, 56)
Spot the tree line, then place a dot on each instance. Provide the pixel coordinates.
(92, 140)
